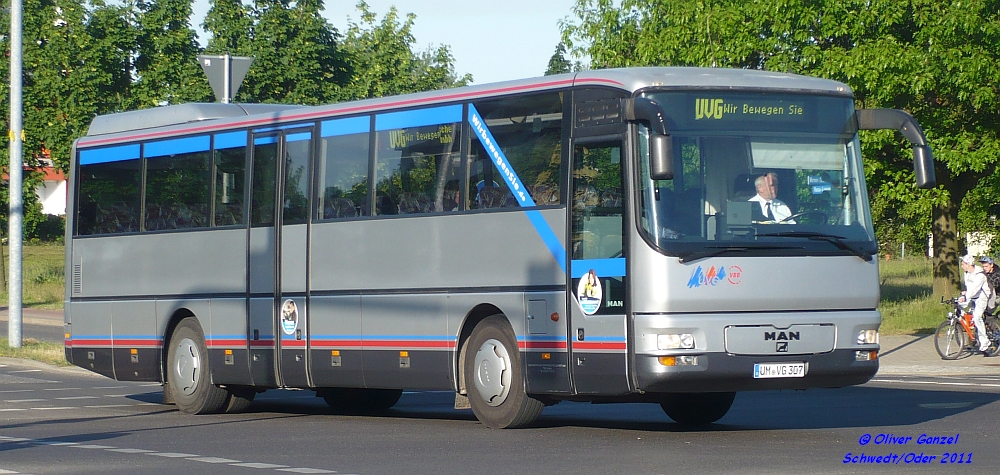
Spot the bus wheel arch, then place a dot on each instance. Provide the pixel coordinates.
(188, 374)
(494, 377)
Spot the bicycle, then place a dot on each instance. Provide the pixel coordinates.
(957, 335)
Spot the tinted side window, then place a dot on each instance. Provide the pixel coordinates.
(528, 130)
(298, 151)
(230, 157)
(109, 190)
(265, 159)
(178, 185)
(343, 169)
(417, 161)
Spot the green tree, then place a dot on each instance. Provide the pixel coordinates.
(558, 63)
(166, 67)
(382, 61)
(936, 59)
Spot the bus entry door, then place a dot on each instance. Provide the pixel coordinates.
(597, 270)
(279, 213)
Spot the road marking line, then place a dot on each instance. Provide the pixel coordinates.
(107, 387)
(212, 460)
(132, 451)
(16, 439)
(257, 465)
(941, 383)
(173, 455)
(75, 397)
(61, 389)
(24, 400)
(17, 391)
(305, 470)
(117, 395)
(109, 405)
(58, 443)
(26, 371)
(7, 471)
(51, 408)
(12, 410)
(92, 446)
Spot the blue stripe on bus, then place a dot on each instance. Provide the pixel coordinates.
(419, 117)
(605, 338)
(176, 146)
(602, 267)
(517, 188)
(109, 154)
(298, 137)
(231, 140)
(265, 140)
(353, 125)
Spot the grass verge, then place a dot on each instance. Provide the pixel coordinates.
(43, 275)
(908, 306)
(32, 349)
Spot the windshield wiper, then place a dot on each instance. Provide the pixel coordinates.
(713, 251)
(837, 241)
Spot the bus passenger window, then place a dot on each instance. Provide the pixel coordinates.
(109, 196)
(343, 174)
(528, 130)
(230, 172)
(417, 169)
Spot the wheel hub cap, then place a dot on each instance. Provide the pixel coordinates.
(187, 367)
(492, 372)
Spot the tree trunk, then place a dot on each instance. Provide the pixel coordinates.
(947, 251)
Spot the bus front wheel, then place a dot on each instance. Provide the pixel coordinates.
(188, 376)
(493, 377)
(697, 408)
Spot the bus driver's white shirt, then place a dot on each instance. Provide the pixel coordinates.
(779, 210)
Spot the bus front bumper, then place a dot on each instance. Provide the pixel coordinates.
(723, 372)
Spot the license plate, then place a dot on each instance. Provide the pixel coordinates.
(779, 370)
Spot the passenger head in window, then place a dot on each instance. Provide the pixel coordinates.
(770, 207)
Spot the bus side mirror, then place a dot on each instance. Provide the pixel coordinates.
(661, 160)
(923, 159)
(641, 109)
(923, 167)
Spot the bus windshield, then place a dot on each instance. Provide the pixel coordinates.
(757, 174)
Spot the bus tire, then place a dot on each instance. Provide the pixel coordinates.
(188, 375)
(494, 379)
(359, 400)
(240, 399)
(697, 408)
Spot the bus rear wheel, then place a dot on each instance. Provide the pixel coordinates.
(493, 377)
(188, 375)
(359, 400)
(697, 408)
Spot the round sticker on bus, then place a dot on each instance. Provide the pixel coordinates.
(589, 293)
(289, 317)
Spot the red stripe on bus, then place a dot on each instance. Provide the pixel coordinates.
(337, 343)
(218, 343)
(580, 345)
(409, 344)
(550, 345)
(261, 342)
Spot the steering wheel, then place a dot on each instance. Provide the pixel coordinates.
(823, 217)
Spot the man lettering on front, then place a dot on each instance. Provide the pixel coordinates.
(772, 209)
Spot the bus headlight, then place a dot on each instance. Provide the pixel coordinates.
(674, 341)
(868, 337)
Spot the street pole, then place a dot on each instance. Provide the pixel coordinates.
(16, 172)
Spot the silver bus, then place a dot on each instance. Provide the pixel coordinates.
(659, 235)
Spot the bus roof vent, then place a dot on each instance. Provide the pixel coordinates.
(176, 115)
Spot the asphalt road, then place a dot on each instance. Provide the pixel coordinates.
(55, 421)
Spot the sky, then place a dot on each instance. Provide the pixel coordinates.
(494, 40)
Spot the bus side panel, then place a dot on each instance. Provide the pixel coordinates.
(226, 339)
(203, 263)
(335, 342)
(91, 337)
(136, 342)
(406, 344)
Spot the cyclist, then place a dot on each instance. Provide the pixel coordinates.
(977, 291)
(992, 278)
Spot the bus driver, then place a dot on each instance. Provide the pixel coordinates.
(771, 208)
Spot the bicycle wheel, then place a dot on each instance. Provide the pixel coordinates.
(949, 340)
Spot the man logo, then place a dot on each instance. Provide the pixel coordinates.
(781, 336)
(711, 109)
(781, 347)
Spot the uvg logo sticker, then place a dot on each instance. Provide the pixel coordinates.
(715, 275)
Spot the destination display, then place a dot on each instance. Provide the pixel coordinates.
(724, 112)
